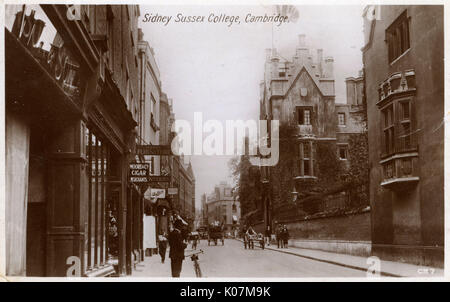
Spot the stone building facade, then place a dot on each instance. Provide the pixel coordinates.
(317, 136)
(72, 107)
(222, 207)
(404, 82)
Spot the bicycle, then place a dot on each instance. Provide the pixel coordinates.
(195, 259)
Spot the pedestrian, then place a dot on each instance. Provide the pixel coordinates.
(251, 236)
(177, 246)
(194, 241)
(162, 244)
(285, 233)
(279, 237)
(268, 234)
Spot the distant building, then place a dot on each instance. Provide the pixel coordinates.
(404, 82)
(222, 207)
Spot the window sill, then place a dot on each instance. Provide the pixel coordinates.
(400, 184)
(305, 177)
(411, 152)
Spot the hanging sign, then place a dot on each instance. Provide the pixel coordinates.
(154, 149)
(139, 172)
(158, 193)
(172, 191)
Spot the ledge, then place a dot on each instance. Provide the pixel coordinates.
(399, 183)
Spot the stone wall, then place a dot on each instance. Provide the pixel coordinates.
(349, 234)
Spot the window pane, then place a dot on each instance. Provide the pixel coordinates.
(306, 170)
(307, 117)
(405, 110)
(406, 134)
(343, 152)
(306, 150)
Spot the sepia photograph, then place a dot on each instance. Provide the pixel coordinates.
(257, 141)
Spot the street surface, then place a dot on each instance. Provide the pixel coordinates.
(232, 260)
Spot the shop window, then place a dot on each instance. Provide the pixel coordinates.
(397, 37)
(341, 119)
(101, 222)
(304, 115)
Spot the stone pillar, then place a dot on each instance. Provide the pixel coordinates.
(17, 141)
(67, 196)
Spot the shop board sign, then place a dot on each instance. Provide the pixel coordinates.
(139, 172)
(154, 149)
(172, 191)
(158, 193)
(158, 178)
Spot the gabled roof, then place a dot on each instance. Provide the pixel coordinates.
(315, 80)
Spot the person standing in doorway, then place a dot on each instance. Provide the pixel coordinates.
(177, 246)
(162, 246)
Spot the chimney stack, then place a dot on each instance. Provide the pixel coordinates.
(319, 61)
(328, 69)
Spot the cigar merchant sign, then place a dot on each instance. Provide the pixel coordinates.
(139, 172)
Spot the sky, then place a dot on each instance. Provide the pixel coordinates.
(216, 69)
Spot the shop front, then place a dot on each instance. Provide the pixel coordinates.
(67, 149)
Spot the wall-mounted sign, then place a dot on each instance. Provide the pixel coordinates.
(172, 191)
(158, 193)
(139, 172)
(154, 149)
(157, 178)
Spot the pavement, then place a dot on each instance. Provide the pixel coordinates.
(387, 268)
(233, 261)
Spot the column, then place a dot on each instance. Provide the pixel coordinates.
(67, 195)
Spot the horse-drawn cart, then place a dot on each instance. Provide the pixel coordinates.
(250, 240)
(215, 233)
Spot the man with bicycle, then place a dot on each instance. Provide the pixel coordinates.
(177, 247)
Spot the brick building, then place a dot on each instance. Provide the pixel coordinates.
(404, 82)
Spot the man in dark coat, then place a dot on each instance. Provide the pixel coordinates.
(285, 235)
(177, 246)
(280, 242)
